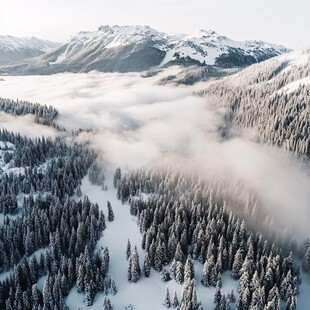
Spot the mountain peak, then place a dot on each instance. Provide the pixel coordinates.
(126, 28)
(140, 47)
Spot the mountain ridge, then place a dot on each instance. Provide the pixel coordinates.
(139, 48)
(14, 49)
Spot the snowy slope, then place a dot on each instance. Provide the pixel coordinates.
(147, 291)
(139, 48)
(208, 46)
(14, 49)
(203, 46)
(282, 73)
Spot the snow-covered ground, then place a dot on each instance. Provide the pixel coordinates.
(291, 87)
(147, 293)
(303, 301)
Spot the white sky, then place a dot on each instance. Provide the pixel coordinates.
(277, 21)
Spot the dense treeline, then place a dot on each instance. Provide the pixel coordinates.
(68, 231)
(257, 97)
(45, 115)
(42, 174)
(181, 221)
(47, 166)
(31, 152)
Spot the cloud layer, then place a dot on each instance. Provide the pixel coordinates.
(137, 122)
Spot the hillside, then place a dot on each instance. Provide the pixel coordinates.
(273, 97)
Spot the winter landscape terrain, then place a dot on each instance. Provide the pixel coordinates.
(141, 170)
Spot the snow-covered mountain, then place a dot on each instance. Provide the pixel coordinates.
(13, 49)
(139, 48)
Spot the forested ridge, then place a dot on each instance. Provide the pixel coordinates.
(182, 220)
(49, 172)
(262, 96)
(44, 115)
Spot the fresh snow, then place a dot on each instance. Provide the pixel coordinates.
(10, 43)
(291, 87)
(202, 45)
(295, 58)
(60, 58)
(304, 291)
(147, 293)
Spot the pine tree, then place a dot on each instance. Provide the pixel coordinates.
(237, 265)
(135, 266)
(80, 279)
(26, 300)
(165, 275)
(147, 265)
(88, 295)
(189, 272)
(232, 297)
(105, 262)
(36, 297)
(110, 212)
(175, 301)
(102, 224)
(158, 258)
(129, 274)
(107, 304)
(179, 272)
(306, 261)
(79, 192)
(128, 250)
(117, 177)
(217, 295)
(113, 287)
(167, 301)
(47, 294)
(206, 271)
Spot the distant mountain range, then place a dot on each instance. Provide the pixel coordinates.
(13, 49)
(132, 49)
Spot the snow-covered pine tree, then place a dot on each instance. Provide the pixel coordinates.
(107, 304)
(175, 301)
(135, 266)
(128, 249)
(113, 287)
(189, 272)
(117, 177)
(146, 265)
(110, 212)
(167, 301)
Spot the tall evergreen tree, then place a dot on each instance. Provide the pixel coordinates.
(167, 301)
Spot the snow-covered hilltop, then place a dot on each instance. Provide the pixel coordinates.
(139, 48)
(13, 49)
(213, 49)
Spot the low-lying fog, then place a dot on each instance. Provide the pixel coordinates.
(139, 122)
